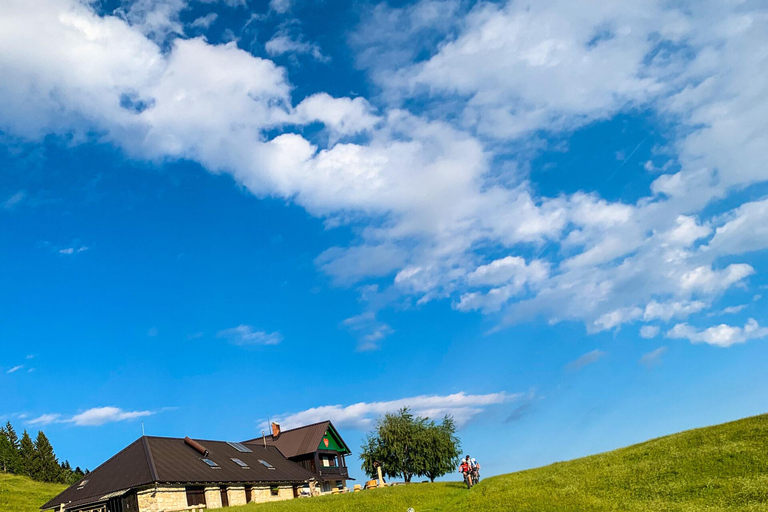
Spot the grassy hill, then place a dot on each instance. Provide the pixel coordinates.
(722, 468)
(21, 494)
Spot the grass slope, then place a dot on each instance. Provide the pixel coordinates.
(22, 494)
(721, 468)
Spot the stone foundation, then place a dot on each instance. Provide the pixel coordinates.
(162, 498)
(165, 498)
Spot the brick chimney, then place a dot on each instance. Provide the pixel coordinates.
(275, 430)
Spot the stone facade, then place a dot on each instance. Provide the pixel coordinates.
(236, 495)
(166, 498)
(264, 494)
(162, 498)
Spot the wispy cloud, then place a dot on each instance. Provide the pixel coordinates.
(15, 368)
(246, 335)
(13, 201)
(649, 331)
(653, 358)
(45, 419)
(586, 359)
(204, 22)
(463, 407)
(94, 417)
(69, 251)
(369, 330)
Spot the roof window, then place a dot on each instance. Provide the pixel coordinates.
(212, 464)
(240, 463)
(240, 447)
(82, 484)
(267, 464)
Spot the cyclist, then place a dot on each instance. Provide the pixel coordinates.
(473, 464)
(466, 471)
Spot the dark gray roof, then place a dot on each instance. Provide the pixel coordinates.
(299, 441)
(151, 460)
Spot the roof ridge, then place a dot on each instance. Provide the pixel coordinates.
(150, 458)
(291, 430)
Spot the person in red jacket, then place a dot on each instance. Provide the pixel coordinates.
(466, 470)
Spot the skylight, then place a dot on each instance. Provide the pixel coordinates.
(240, 463)
(82, 484)
(240, 447)
(266, 464)
(211, 463)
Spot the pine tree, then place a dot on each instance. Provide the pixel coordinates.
(45, 467)
(26, 454)
(9, 449)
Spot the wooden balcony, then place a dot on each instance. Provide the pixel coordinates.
(333, 472)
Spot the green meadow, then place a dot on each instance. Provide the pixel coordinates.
(722, 468)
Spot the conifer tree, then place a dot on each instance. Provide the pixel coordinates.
(9, 449)
(26, 455)
(45, 467)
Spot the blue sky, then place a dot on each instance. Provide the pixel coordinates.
(545, 219)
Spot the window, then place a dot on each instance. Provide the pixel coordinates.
(274, 490)
(240, 463)
(266, 464)
(195, 496)
(82, 484)
(240, 447)
(211, 463)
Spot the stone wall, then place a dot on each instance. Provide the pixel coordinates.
(165, 498)
(162, 498)
(213, 497)
(264, 494)
(236, 495)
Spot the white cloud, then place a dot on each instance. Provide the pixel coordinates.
(653, 358)
(45, 419)
(204, 22)
(649, 331)
(280, 6)
(370, 330)
(463, 407)
(575, 256)
(731, 310)
(246, 335)
(101, 415)
(94, 417)
(719, 335)
(746, 230)
(585, 360)
(69, 251)
(285, 42)
(345, 116)
(674, 309)
(15, 368)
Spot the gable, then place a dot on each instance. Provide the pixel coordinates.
(333, 440)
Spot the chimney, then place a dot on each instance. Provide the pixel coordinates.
(196, 446)
(275, 430)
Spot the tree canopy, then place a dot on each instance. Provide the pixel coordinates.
(35, 459)
(407, 445)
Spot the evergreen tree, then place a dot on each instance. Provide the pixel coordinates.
(26, 454)
(45, 467)
(9, 449)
